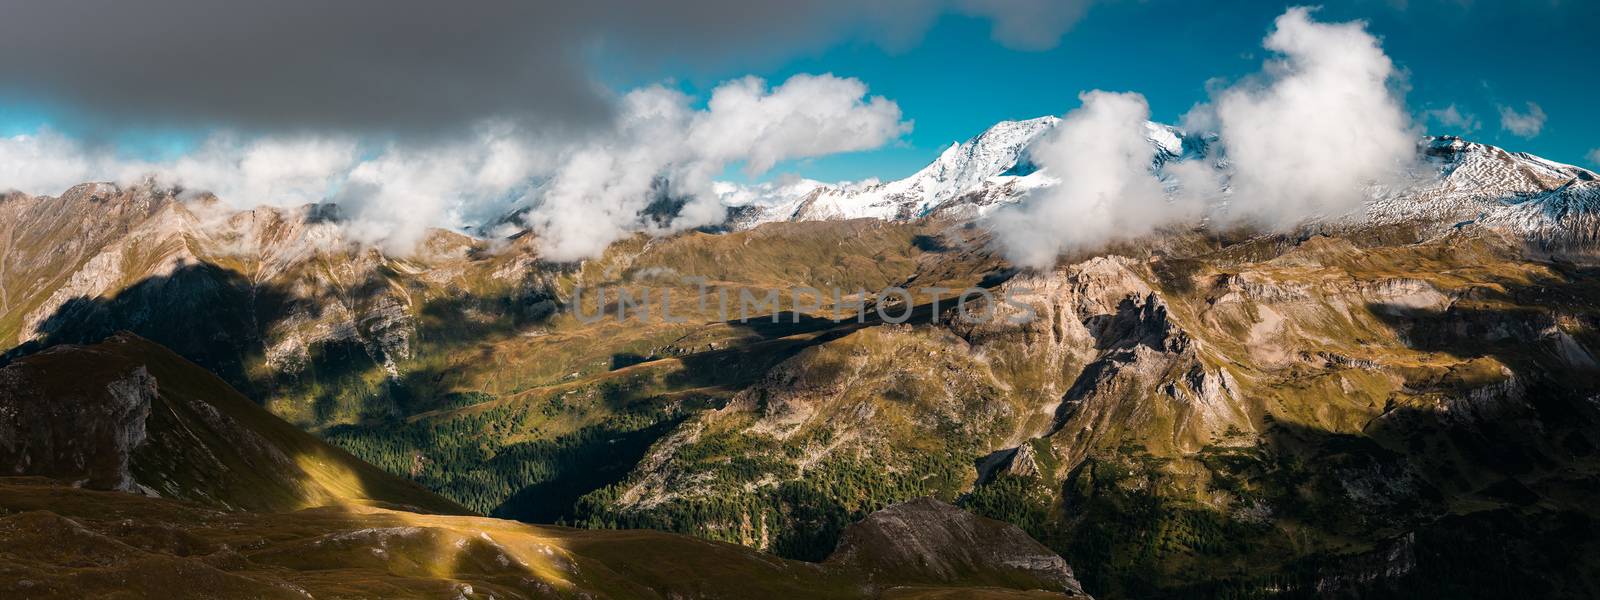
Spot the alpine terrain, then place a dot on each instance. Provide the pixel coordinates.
(1400, 400)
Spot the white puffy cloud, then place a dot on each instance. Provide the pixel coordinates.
(597, 193)
(1454, 120)
(395, 196)
(1594, 157)
(1101, 154)
(1522, 124)
(809, 115)
(664, 150)
(1306, 137)
(1321, 123)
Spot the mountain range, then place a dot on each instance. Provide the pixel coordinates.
(1396, 401)
(1455, 179)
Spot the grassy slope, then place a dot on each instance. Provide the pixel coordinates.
(61, 542)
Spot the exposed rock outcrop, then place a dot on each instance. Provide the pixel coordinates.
(928, 540)
(60, 424)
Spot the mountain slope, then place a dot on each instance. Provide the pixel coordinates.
(1195, 415)
(451, 366)
(250, 507)
(63, 542)
(298, 312)
(1552, 205)
(129, 415)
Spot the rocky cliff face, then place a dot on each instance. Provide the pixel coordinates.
(928, 540)
(85, 431)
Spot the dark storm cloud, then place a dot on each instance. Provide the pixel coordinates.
(407, 65)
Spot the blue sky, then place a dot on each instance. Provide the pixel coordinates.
(956, 81)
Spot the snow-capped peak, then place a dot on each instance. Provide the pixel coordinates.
(993, 166)
(959, 169)
(1165, 138)
(1464, 182)
(967, 165)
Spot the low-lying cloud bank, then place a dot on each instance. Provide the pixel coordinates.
(583, 191)
(1320, 124)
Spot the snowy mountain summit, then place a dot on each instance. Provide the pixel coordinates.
(967, 180)
(1549, 203)
(988, 161)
